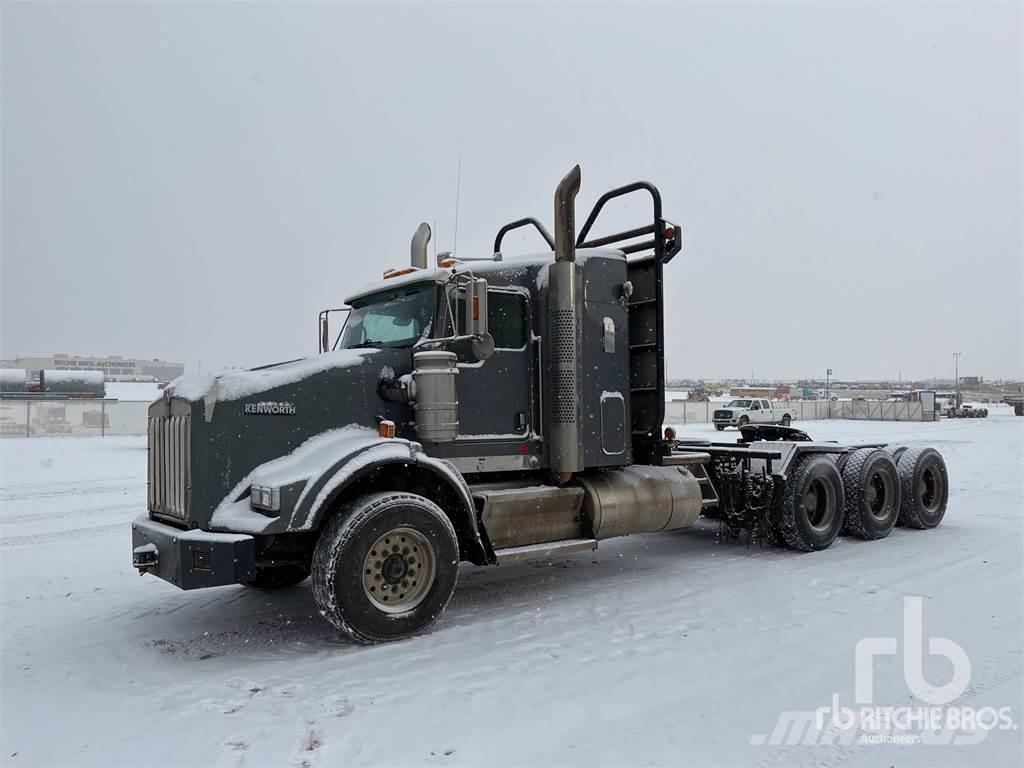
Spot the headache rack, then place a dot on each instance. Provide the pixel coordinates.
(652, 246)
(659, 242)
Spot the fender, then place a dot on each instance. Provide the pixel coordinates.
(319, 471)
(320, 494)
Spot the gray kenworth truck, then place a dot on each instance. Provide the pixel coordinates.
(487, 411)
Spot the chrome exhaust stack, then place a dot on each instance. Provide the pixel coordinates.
(419, 246)
(565, 449)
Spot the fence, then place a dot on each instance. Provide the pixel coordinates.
(697, 412)
(76, 418)
(72, 418)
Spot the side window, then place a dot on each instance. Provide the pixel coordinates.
(765, 404)
(506, 319)
(756, 405)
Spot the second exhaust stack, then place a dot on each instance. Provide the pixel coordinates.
(566, 455)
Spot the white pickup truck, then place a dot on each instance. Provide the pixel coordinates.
(750, 411)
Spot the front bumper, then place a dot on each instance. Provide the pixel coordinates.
(192, 559)
(730, 422)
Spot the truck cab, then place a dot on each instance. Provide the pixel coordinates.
(497, 408)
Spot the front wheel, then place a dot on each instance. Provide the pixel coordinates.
(743, 422)
(385, 567)
(786, 420)
(719, 427)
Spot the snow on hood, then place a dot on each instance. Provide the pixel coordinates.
(235, 385)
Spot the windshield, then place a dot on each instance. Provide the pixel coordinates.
(397, 319)
(739, 404)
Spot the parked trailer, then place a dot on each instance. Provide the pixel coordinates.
(13, 381)
(1017, 401)
(89, 384)
(487, 411)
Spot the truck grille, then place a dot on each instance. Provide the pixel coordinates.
(170, 481)
(722, 415)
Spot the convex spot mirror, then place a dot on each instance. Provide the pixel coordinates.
(482, 346)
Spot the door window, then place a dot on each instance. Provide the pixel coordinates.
(506, 318)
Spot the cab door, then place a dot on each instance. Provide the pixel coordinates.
(757, 414)
(497, 395)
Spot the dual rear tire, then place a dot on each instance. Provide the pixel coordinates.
(924, 487)
(865, 493)
(873, 496)
(813, 500)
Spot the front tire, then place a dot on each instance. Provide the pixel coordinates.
(786, 420)
(719, 427)
(385, 567)
(743, 422)
(812, 504)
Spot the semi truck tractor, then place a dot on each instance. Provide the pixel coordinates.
(484, 411)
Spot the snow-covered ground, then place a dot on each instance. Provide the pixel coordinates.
(670, 649)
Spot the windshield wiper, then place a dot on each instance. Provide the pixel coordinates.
(363, 344)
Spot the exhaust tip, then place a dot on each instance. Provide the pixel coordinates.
(565, 215)
(419, 246)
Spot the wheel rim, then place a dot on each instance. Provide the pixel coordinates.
(880, 496)
(398, 570)
(930, 489)
(818, 504)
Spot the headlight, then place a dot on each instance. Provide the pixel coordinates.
(265, 498)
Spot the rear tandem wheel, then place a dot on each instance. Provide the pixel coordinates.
(812, 504)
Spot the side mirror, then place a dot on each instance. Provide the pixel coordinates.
(326, 332)
(476, 307)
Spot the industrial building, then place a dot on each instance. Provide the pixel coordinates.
(114, 367)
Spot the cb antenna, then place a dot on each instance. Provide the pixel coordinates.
(458, 188)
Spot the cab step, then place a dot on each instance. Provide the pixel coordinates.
(547, 549)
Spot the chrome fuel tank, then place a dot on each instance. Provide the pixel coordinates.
(640, 499)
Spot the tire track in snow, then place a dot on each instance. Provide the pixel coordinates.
(80, 488)
(63, 535)
(107, 510)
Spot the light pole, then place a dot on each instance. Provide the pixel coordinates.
(956, 368)
(828, 391)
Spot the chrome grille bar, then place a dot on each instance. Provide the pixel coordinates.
(168, 466)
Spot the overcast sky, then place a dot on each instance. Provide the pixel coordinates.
(195, 181)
